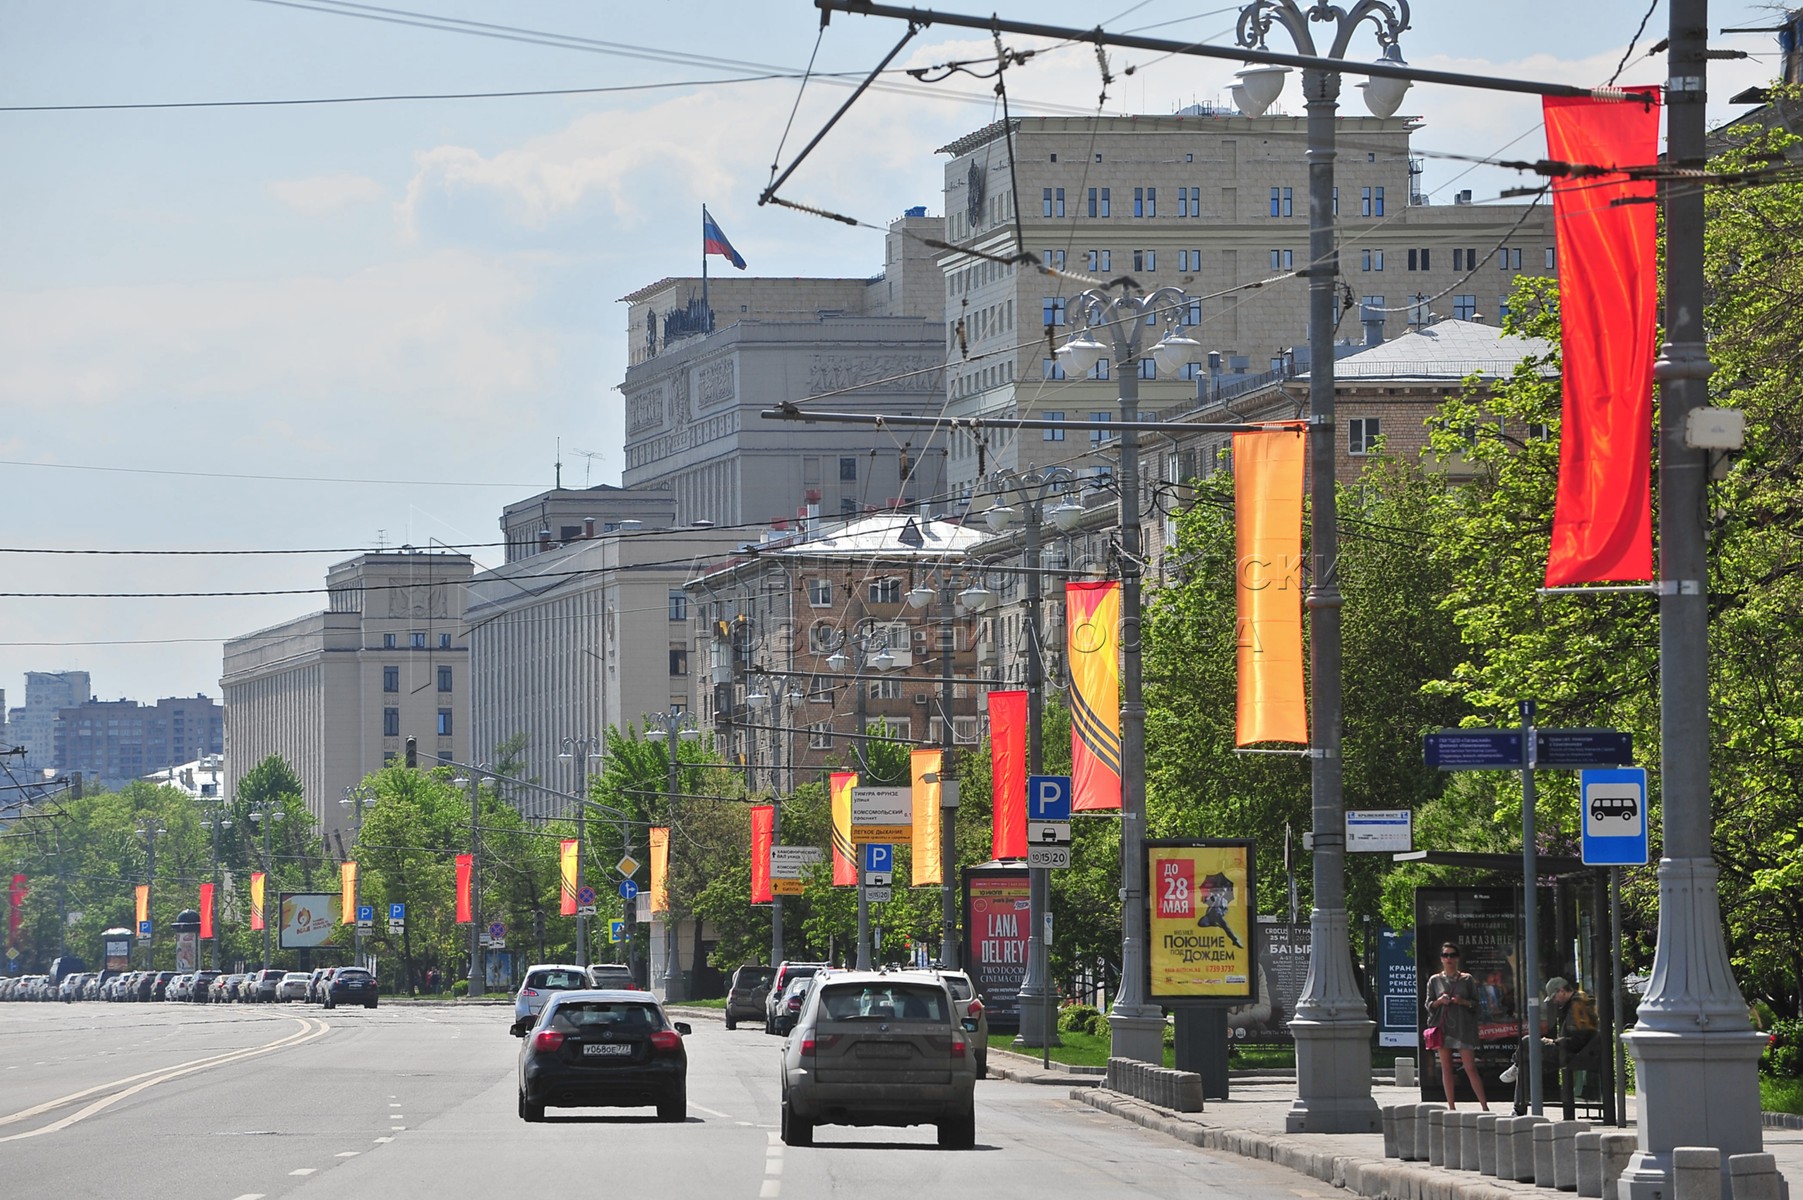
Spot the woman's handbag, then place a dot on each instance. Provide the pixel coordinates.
(1430, 1037)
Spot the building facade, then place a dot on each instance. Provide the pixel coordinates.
(33, 726)
(338, 693)
(112, 742)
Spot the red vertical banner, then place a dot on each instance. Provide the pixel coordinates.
(1008, 773)
(206, 911)
(256, 899)
(1606, 228)
(465, 864)
(15, 913)
(1092, 638)
(845, 855)
(763, 828)
(566, 869)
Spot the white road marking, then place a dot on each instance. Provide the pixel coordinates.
(770, 1190)
(304, 1171)
(379, 1141)
(710, 1112)
(773, 1169)
(250, 1196)
(347, 1154)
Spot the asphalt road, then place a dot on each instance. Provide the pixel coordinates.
(242, 1101)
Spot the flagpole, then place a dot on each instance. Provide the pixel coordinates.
(706, 310)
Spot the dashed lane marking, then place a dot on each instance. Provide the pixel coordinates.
(304, 1171)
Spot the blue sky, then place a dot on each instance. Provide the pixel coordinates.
(313, 327)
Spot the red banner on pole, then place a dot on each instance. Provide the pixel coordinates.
(256, 900)
(15, 898)
(763, 826)
(1606, 226)
(1008, 773)
(845, 855)
(465, 864)
(1092, 638)
(206, 911)
(566, 866)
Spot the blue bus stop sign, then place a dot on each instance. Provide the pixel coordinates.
(1614, 816)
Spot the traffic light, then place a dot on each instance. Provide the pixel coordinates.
(412, 752)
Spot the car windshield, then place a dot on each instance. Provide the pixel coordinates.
(617, 1016)
(883, 1002)
(568, 980)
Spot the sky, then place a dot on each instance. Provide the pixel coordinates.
(241, 342)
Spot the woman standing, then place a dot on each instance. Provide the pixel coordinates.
(1452, 1007)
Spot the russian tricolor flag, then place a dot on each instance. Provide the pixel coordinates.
(714, 242)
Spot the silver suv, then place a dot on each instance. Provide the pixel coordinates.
(541, 981)
(880, 1048)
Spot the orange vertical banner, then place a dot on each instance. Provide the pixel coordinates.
(845, 856)
(566, 866)
(143, 898)
(660, 870)
(1092, 639)
(1008, 773)
(256, 899)
(465, 864)
(206, 911)
(926, 852)
(763, 829)
(1607, 228)
(347, 879)
(1267, 586)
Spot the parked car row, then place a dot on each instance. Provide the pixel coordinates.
(329, 986)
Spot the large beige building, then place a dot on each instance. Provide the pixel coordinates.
(338, 693)
(1214, 203)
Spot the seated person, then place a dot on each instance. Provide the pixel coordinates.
(1565, 1037)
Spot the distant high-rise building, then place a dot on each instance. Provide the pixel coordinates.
(116, 741)
(34, 725)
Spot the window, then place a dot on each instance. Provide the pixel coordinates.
(391, 722)
(820, 689)
(1092, 202)
(1192, 371)
(1464, 308)
(820, 593)
(444, 679)
(388, 642)
(822, 638)
(1058, 202)
(1101, 260)
(417, 640)
(820, 735)
(1145, 260)
(1098, 436)
(1192, 312)
(885, 591)
(1370, 308)
(1183, 202)
(1139, 202)
(848, 505)
(1053, 311)
(1100, 370)
(895, 728)
(1052, 260)
(679, 606)
(1364, 202)
(885, 689)
(391, 679)
(388, 756)
(1377, 203)
(679, 660)
(1045, 202)
(848, 470)
(1420, 260)
(444, 722)
(1363, 431)
(1502, 309)
(1148, 368)
(1283, 260)
(1105, 211)
(1054, 435)
(1537, 432)
(1551, 258)
(444, 641)
(1276, 202)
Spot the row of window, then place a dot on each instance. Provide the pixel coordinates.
(1464, 308)
(415, 641)
(1053, 312)
(391, 722)
(391, 679)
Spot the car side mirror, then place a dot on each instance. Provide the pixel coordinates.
(521, 1027)
(684, 1028)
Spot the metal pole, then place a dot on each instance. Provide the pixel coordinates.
(1332, 1031)
(863, 756)
(778, 709)
(1618, 1049)
(948, 785)
(1695, 1052)
(268, 870)
(672, 978)
(581, 753)
(1036, 992)
(1530, 910)
(150, 883)
(478, 968)
(357, 883)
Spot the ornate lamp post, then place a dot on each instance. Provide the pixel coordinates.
(213, 823)
(150, 829)
(267, 818)
(1333, 1053)
(1137, 1027)
(671, 727)
(356, 797)
(580, 750)
(768, 692)
(872, 649)
(1032, 490)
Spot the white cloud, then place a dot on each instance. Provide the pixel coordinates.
(323, 195)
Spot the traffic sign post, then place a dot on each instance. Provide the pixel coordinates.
(585, 901)
(628, 890)
(879, 864)
(1614, 818)
(366, 916)
(1049, 821)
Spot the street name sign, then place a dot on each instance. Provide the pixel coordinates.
(788, 864)
(1615, 827)
(1379, 831)
(1554, 749)
(882, 814)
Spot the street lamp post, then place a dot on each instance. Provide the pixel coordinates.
(1033, 489)
(150, 829)
(882, 660)
(671, 727)
(215, 821)
(780, 703)
(919, 597)
(1136, 1027)
(267, 817)
(580, 750)
(1333, 1052)
(357, 795)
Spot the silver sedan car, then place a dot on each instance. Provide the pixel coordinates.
(880, 1048)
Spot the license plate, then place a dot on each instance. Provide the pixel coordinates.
(607, 1049)
(885, 1050)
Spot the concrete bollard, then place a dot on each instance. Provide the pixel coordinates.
(1618, 1146)
(1414, 1143)
(1544, 1170)
(1696, 1173)
(1406, 1115)
(1505, 1147)
(1524, 1147)
(1565, 1153)
(1754, 1177)
(1452, 1148)
(1189, 1091)
(1468, 1144)
(1589, 1148)
(1436, 1137)
(1486, 1143)
(1405, 1072)
(1388, 1115)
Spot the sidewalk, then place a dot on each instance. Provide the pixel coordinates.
(1250, 1123)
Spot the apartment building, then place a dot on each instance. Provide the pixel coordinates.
(112, 742)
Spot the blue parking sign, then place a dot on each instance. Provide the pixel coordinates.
(397, 912)
(1049, 798)
(366, 913)
(879, 858)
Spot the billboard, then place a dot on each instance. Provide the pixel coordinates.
(1396, 987)
(307, 919)
(996, 927)
(1281, 966)
(1199, 944)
